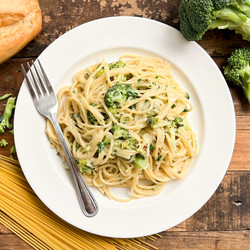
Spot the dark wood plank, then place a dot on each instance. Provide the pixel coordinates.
(204, 240)
(222, 222)
(65, 15)
(227, 209)
(10, 241)
(4, 230)
(170, 240)
(241, 155)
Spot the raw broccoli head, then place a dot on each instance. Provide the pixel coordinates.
(118, 94)
(198, 16)
(186, 28)
(238, 69)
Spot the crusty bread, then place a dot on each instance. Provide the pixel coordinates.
(20, 22)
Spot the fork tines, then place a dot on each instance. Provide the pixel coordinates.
(37, 80)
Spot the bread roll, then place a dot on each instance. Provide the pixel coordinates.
(20, 22)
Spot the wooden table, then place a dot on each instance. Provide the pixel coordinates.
(223, 222)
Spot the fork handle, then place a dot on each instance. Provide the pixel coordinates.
(86, 199)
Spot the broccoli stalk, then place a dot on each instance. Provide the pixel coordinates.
(4, 96)
(141, 158)
(238, 70)
(140, 161)
(198, 16)
(5, 123)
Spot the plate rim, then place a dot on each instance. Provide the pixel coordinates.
(109, 234)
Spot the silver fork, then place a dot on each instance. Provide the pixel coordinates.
(46, 104)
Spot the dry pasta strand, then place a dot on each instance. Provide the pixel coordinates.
(26, 216)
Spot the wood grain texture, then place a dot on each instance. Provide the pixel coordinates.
(224, 221)
(12, 242)
(227, 210)
(205, 240)
(228, 240)
(61, 16)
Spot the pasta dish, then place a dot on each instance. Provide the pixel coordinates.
(126, 125)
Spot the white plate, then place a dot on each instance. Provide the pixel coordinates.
(213, 120)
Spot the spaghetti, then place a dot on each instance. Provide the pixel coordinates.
(25, 215)
(126, 125)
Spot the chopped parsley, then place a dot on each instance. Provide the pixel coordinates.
(159, 157)
(151, 146)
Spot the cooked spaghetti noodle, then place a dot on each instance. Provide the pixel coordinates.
(126, 125)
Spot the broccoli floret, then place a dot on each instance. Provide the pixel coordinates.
(85, 166)
(177, 122)
(238, 70)
(155, 122)
(152, 112)
(91, 118)
(122, 138)
(116, 65)
(140, 161)
(3, 143)
(120, 133)
(5, 123)
(118, 94)
(129, 143)
(198, 16)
